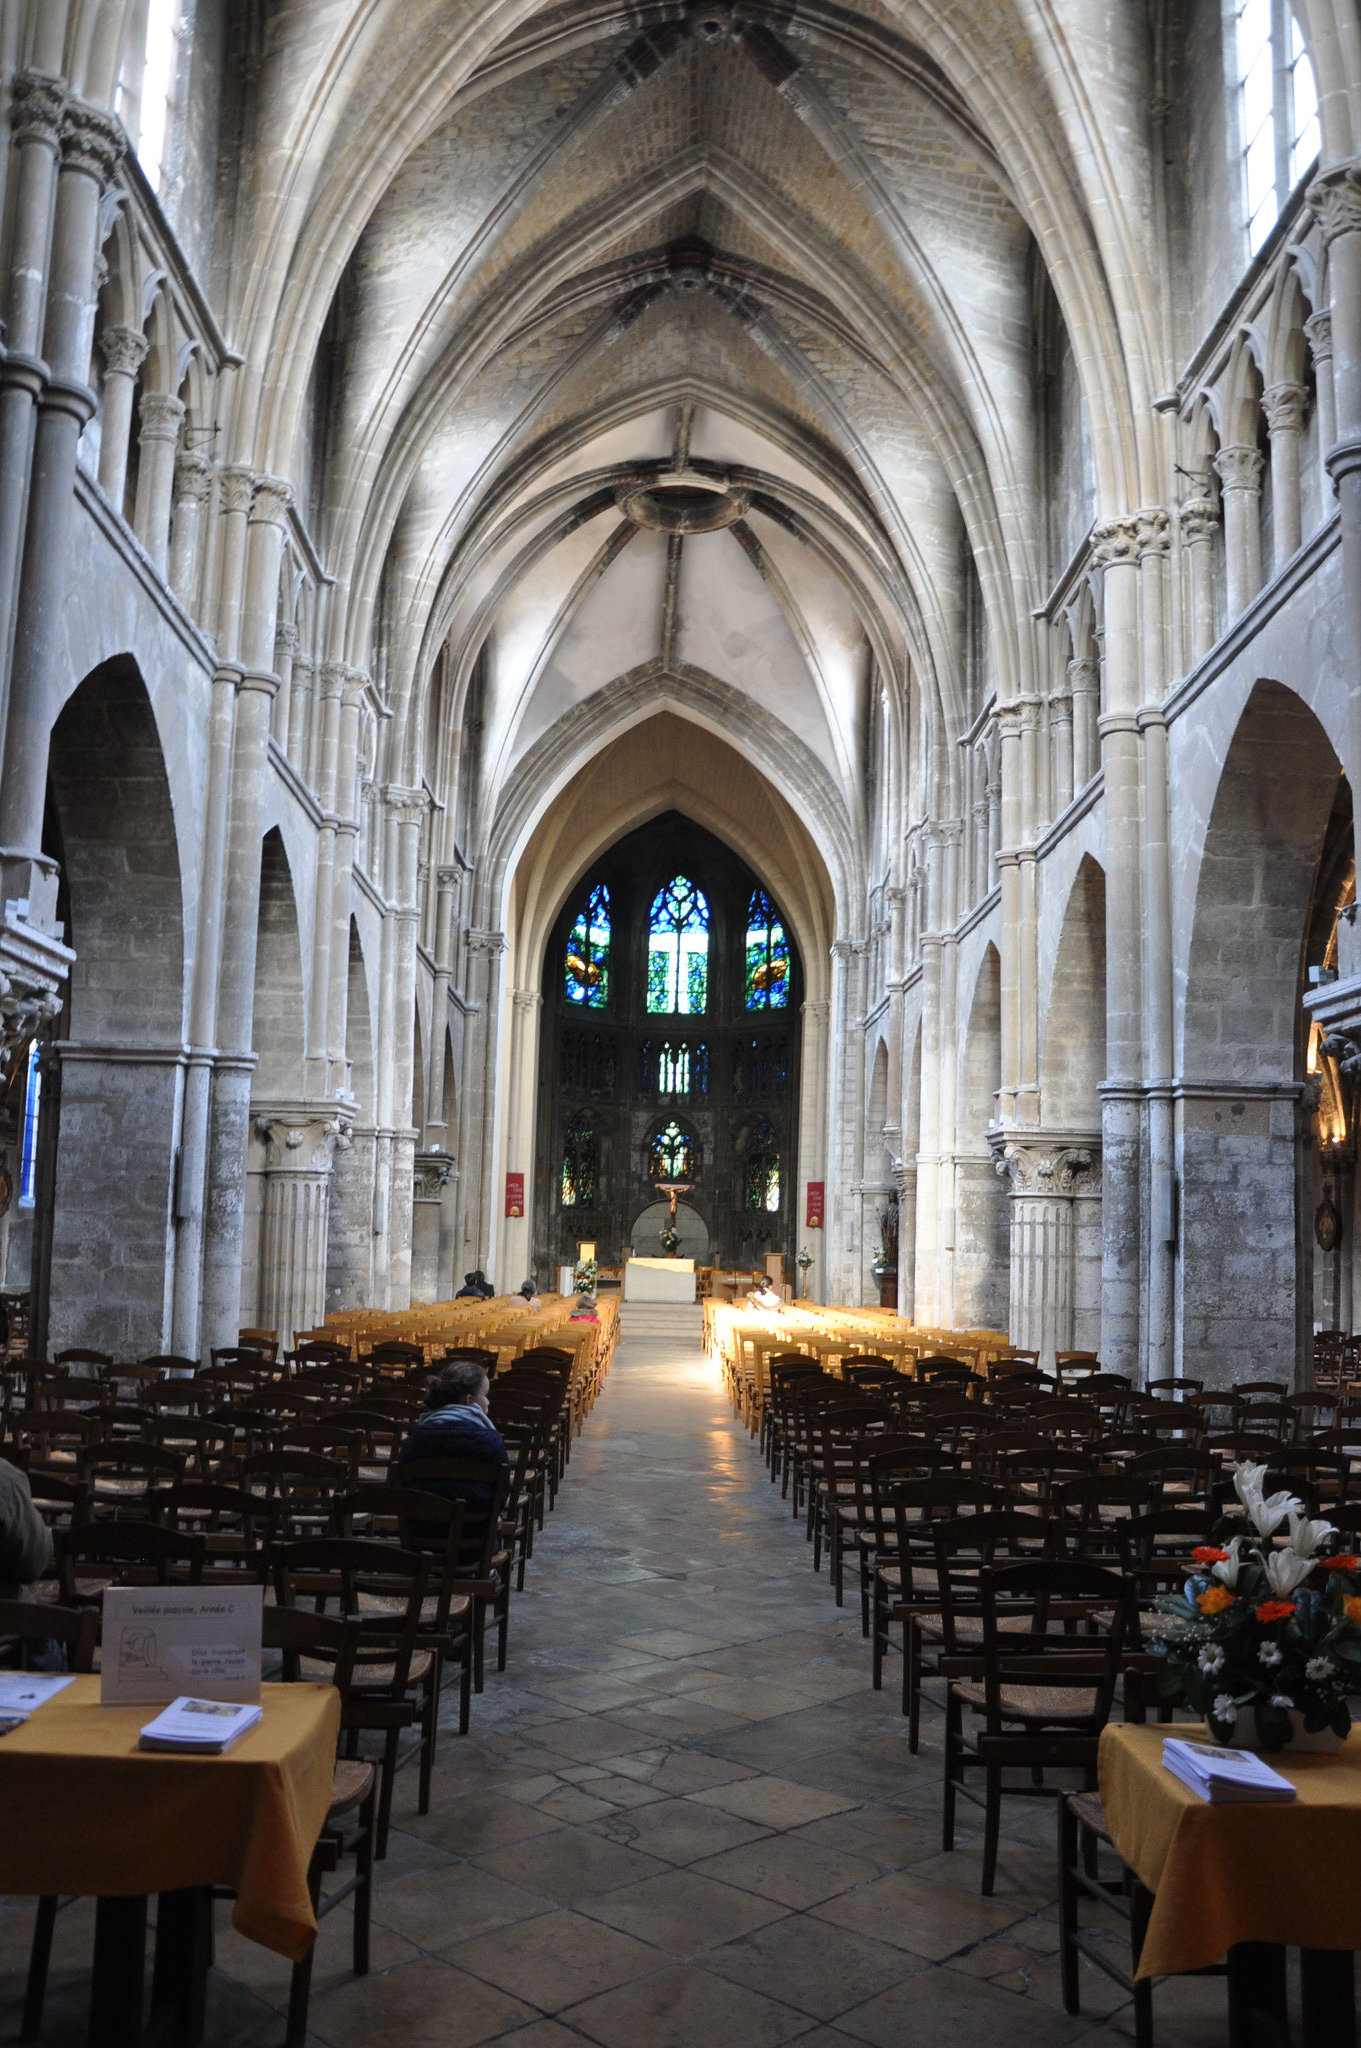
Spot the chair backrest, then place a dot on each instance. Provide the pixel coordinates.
(481, 1522)
(1029, 1610)
(140, 1553)
(34, 1626)
(77, 1355)
(304, 1637)
(378, 1586)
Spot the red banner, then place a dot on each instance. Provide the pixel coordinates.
(815, 1194)
(515, 1194)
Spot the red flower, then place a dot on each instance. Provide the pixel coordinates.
(1345, 1563)
(1275, 1610)
(1205, 1553)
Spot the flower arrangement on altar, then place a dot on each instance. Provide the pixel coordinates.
(1265, 1627)
(584, 1275)
(669, 1240)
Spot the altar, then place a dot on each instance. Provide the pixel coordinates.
(659, 1280)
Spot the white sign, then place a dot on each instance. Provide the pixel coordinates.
(162, 1641)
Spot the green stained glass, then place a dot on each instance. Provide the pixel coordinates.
(586, 969)
(580, 1164)
(767, 964)
(678, 950)
(762, 1176)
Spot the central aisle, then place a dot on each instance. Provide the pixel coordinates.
(683, 1820)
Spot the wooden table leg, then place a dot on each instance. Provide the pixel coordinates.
(1258, 2015)
(179, 1978)
(1328, 1997)
(119, 1966)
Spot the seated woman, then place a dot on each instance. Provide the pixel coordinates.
(530, 1297)
(764, 1296)
(456, 1425)
(584, 1310)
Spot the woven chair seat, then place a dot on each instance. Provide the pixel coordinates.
(371, 1678)
(1032, 1702)
(350, 1786)
(1087, 1810)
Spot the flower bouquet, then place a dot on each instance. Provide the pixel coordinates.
(584, 1276)
(1265, 1627)
(669, 1239)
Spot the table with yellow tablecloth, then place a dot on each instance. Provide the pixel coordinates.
(1283, 1872)
(86, 1812)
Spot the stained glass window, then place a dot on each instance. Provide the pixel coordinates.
(678, 950)
(760, 1066)
(580, 1164)
(28, 1150)
(587, 966)
(675, 1069)
(671, 1154)
(767, 956)
(763, 1169)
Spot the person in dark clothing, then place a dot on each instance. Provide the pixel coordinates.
(471, 1290)
(488, 1291)
(456, 1425)
(25, 1543)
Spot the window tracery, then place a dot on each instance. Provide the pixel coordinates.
(678, 950)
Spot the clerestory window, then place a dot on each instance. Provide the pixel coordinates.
(1277, 110)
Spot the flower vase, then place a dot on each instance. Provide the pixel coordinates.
(1303, 1742)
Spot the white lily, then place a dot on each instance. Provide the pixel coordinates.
(1228, 1568)
(1284, 1571)
(1266, 1515)
(1306, 1536)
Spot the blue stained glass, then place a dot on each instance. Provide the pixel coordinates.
(28, 1151)
(678, 950)
(586, 969)
(767, 964)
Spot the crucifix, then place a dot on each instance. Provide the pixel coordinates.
(675, 1189)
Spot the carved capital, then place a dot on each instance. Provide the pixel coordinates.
(303, 1137)
(92, 143)
(489, 944)
(1335, 202)
(1047, 1166)
(1152, 526)
(38, 102)
(161, 417)
(1318, 332)
(356, 688)
(271, 501)
(1239, 467)
(286, 637)
(193, 475)
(1283, 405)
(527, 1000)
(238, 488)
(430, 1175)
(1199, 517)
(1082, 674)
(333, 677)
(1116, 542)
(123, 349)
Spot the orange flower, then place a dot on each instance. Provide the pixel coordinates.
(1275, 1610)
(1215, 1599)
(1346, 1562)
(1351, 1607)
(1205, 1553)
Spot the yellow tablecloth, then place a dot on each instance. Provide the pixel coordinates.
(83, 1810)
(1220, 1874)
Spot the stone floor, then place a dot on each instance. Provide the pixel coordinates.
(683, 1818)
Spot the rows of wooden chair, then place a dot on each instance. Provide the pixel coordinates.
(1011, 1531)
(284, 1472)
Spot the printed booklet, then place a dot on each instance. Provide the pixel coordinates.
(198, 1727)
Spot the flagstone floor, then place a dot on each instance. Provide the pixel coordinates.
(683, 1818)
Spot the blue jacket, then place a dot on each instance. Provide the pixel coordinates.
(459, 1431)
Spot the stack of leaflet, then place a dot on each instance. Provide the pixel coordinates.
(1224, 1776)
(22, 1691)
(198, 1727)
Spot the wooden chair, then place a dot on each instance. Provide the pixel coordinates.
(484, 1561)
(104, 1554)
(311, 1641)
(1042, 1699)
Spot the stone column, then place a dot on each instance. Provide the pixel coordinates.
(1239, 469)
(1047, 1173)
(1336, 201)
(1283, 405)
(39, 102)
(300, 1143)
(285, 647)
(432, 1173)
(337, 911)
(193, 481)
(1061, 749)
(299, 710)
(1116, 554)
(479, 1199)
(446, 891)
(1199, 518)
(905, 1180)
(124, 351)
(91, 146)
(1318, 332)
(1084, 684)
(162, 418)
(406, 808)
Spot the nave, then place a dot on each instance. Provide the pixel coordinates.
(682, 1816)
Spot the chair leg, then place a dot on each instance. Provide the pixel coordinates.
(40, 1956)
(387, 1780)
(1068, 1852)
(952, 1734)
(363, 1888)
(300, 1983)
(992, 1822)
(1140, 1908)
(429, 1730)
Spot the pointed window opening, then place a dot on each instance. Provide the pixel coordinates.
(587, 965)
(678, 951)
(767, 964)
(580, 1164)
(763, 1169)
(671, 1154)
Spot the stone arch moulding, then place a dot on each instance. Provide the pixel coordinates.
(1244, 1270)
(654, 764)
(118, 1087)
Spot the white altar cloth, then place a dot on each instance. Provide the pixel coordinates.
(659, 1280)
